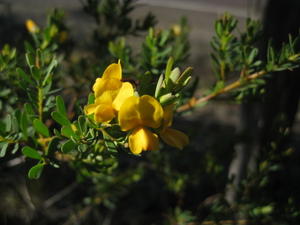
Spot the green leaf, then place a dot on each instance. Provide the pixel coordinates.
(8, 123)
(46, 89)
(15, 148)
(3, 148)
(18, 115)
(60, 118)
(41, 128)
(185, 75)
(83, 147)
(159, 85)
(218, 28)
(68, 146)
(82, 124)
(31, 153)
(29, 110)
(56, 132)
(164, 37)
(24, 124)
(30, 59)
(91, 98)
(252, 55)
(52, 65)
(219, 85)
(60, 106)
(167, 99)
(36, 171)
(175, 74)
(169, 68)
(23, 75)
(67, 131)
(15, 121)
(36, 73)
(110, 145)
(28, 47)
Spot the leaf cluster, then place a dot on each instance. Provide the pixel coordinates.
(236, 56)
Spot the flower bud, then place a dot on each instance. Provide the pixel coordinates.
(31, 26)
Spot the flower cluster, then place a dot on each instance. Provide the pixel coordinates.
(143, 117)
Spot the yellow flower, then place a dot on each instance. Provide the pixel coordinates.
(31, 26)
(111, 79)
(172, 137)
(176, 29)
(136, 114)
(110, 93)
(142, 139)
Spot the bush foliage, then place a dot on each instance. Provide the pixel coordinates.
(83, 128)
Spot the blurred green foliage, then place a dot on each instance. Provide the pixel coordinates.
(85, 168)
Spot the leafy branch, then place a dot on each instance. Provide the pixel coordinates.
(235, 54)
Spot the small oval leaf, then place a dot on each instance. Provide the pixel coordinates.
(60, 106)
(67, 131)
(68, 146)
(41, 128)
(31, 153)
(61, 119)
(36, 171)
(3, 148)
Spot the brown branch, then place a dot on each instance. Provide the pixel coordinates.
(193, 101)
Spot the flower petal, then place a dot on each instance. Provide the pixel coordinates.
(114, 70)
(125, 91)
(90, 109)
(151, 112)
(104, 113)
(144, 111)
(107, 97)
(128, 115)
(101, 85)
(141, 139)
(168, 115)
(174, 138)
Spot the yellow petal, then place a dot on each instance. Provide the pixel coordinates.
(101, 85)
(174, 138)
(168, 115)
(107, 97)
(128, 115)
(151, 112)
(90, 109)
(143, 111)
(125, 92)
(104, 113)
(114, 70)
(141, 139)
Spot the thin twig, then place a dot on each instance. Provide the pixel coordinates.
(58, 196)
(193, 102)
